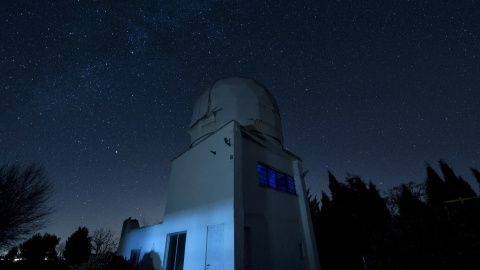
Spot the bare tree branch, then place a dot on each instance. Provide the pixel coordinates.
(24, 193)
(103, 241)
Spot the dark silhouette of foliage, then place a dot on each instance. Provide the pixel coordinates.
(413, 232)
(315, 213)
(103, 241)
(392, 196)
(314, 206)
(476, 174)
(326, 203)
(456, 186)
(435, 187)
(337, 189)
(12, 254)
(78, 247)
(409, 204)
(350, 224)
(376, 211)
(430, 225)
(24, 193)
(38, 248)
(104, 261)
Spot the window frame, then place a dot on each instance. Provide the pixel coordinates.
(269, 177)
(174, 253)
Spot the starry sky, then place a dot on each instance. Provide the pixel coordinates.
(101, 92)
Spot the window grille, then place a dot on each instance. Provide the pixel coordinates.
(271, 178)
(176, 251)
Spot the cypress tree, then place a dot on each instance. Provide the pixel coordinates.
(379, 214)
(435, 187)
(476, 174)
(326, 203)
(326, 234)
(414, 236)
(456, 186)
(337, 190)
(313, 203)
(78, 247)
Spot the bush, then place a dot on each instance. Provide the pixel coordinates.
(107, 261)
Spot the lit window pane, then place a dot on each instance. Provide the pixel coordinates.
(262, 174)
(291, 185)
(272, 178)
(271, 182)
(282, 181)
(262, 169)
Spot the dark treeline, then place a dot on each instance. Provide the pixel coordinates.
(81, 251)
(433, 225)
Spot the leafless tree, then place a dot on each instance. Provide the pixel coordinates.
(24, 195)
(392, 196)
(103, 241)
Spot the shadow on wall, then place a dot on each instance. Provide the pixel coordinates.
(150, 261)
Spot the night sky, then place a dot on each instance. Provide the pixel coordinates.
(101, 92)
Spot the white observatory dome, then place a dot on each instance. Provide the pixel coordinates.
(241, 99)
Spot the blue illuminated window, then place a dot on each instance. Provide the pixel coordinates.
(271, 178)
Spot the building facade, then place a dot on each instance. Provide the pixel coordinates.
(236, 197)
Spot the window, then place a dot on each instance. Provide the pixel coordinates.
(176, 250)
(271, 178)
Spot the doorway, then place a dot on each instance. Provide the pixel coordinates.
(214, 255)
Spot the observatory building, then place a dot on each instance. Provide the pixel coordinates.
(236, 197)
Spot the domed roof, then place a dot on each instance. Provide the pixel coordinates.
(241, 99)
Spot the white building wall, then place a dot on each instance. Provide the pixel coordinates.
(223, 188)
(278, 228)
(200, 194)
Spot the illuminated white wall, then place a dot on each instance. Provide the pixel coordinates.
(200, 194)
